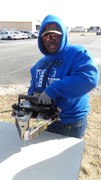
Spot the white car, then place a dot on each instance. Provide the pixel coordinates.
(1, 35)
(27, 34)
(11, 35)
(24, 35)
(35, 34)
(31, 34)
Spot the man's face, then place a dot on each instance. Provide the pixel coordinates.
(51, 42)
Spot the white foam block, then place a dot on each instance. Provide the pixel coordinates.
(49, 157)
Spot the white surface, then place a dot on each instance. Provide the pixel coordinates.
(49, 157)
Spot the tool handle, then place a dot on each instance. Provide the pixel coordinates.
(28, 98)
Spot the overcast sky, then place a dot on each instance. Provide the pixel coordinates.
(73, 12)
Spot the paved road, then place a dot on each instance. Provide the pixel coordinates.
(16, 57)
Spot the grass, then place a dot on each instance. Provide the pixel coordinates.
(91, 161)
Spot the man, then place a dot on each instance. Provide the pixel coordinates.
(66, 74)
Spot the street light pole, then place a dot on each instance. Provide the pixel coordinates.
(39, 21)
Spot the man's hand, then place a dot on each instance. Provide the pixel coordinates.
(44, 98)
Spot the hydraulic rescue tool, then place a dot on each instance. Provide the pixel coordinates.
(32, 118)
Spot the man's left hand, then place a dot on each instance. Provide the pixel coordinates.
(44, 98)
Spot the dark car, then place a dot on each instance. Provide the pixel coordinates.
(98, 33)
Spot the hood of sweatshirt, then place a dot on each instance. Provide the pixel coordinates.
(52, 19)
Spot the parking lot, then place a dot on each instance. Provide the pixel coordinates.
(17, 56)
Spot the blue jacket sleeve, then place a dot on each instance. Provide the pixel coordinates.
(31, 89)
(83, 78)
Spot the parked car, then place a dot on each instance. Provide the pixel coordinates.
(31, 34)
(11, 35)
(98, 32)
(23, 35)
(27, 33)
(1, 35)
(35, 34)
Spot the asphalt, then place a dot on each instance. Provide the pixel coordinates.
(17, 57)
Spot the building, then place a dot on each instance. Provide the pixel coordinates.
(77, 29)
(19, 25)
(94, 28)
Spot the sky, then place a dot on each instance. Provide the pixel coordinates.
(73, 12)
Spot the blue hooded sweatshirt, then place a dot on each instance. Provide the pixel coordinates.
(66, 76)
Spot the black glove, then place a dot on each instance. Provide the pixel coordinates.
(44, 98)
